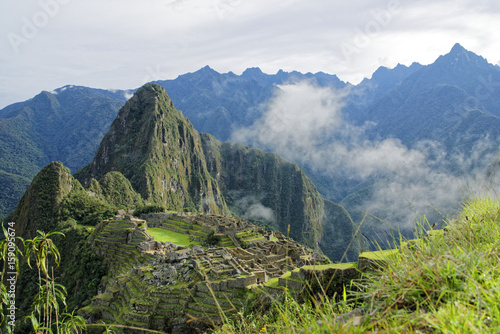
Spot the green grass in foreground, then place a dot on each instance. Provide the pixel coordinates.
(449, 284)
(164, 235)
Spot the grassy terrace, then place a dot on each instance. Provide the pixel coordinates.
(332, 266)
(379, 255)
(272, 283)
(288, 276)
(164, 235)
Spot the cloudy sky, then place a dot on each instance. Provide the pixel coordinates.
(123, 43)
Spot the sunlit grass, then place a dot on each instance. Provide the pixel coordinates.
(164, 235)
(443, 282)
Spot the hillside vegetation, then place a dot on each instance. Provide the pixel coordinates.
(447, 281)
(64, 125)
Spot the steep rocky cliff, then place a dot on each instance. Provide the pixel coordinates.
(266, 186)
(160, 152)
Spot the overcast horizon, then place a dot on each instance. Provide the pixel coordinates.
(113, 44)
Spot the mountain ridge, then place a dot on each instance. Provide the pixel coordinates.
(166, 161)
(223, 102)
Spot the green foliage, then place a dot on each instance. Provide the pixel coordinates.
(79, 273)
(13, 187)
(35, 325)
(339, 240)
(72, 324)
(252, 177)
(212, 239)
(149, 209)
(283, 315)
(38, 207)
(159, 152)
(118, 191)
(85, 209)
(41, 247)
(81, 269)
(48, 298)
(242, 242)
(444, 282)
(164, 235)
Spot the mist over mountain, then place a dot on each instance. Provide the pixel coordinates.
(219, 104)
(417, 150)
(68, 123)
(408, 141)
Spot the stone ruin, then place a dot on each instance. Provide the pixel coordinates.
(160, 285)
(269, 254)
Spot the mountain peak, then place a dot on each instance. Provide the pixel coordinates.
(457, 49)
(459, 58)
(157, 149)
(151, 89)
(252, 70)
(207, 69)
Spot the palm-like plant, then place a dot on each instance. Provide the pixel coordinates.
(72, 324)
(37, 327)
(41, 247)
(51, 292)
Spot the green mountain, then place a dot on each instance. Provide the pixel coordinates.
(155, 147)
(55, 196)
(64, 125)
(249, 176)
(55, 201)
(170, 164)
(67, 124)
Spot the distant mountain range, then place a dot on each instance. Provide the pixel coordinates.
(64, 125)
(448, 111)
(152, 155)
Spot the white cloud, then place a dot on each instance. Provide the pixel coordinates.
(304, 124)
(111, 43)
(251, 208)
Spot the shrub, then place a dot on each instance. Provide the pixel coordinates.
(148, 209)
(212, 239)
